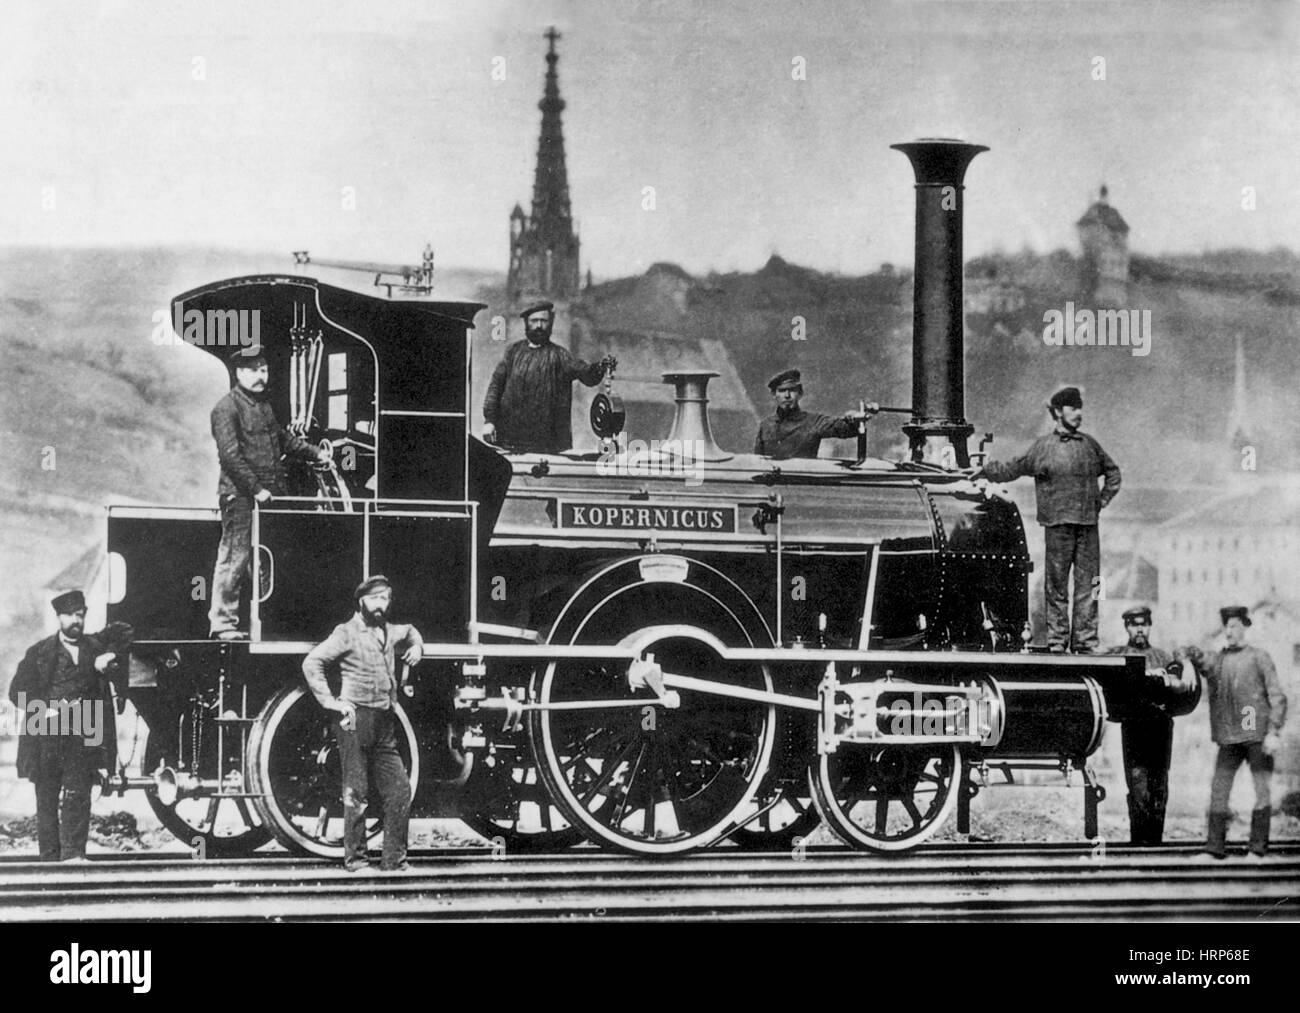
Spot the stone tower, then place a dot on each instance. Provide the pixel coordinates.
(543, 245)
(1103, 234)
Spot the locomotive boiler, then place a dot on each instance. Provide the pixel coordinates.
(653, 651)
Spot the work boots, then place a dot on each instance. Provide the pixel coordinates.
(1259, 822)
(1216, 836)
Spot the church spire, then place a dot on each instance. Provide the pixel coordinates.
(551, 182)
(544, 247)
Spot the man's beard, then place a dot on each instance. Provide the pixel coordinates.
(539, 337)
(373, 617)
(1139, 640)
(784, 411)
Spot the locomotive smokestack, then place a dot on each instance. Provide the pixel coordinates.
(938, 338)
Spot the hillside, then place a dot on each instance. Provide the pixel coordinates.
(1164, 415)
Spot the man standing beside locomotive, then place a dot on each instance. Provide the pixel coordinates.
(530, 396)
(62, 683)
(1066, 464)
(363, 652)
(251, 445)
(793, 432)
(1247, 711)
(1147, 740)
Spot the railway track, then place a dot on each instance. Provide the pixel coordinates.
(943, 883)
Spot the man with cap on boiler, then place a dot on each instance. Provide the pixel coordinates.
(792, 432)
(1247, 711)
(363, 652)
(251, 446)
(1147, 740)
(530, 396)
(1066, 464)
(65, 700)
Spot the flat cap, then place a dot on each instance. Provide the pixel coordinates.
(1066, 396)
(247, 356)
(544, 306)
(1137, 612)
(66, 602)
(1235, 612)
(786, 376)
(372, 584)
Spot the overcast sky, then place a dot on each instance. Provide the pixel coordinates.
(228, 125)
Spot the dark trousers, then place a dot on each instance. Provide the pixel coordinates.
(1077, 547)
(1225, 772)
(1148, 745)
(369, 756)
(66, 769)
(233, 557)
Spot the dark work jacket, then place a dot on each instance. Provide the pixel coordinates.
(251, 444)
(35, 677)
(800, 433)
(530, 396)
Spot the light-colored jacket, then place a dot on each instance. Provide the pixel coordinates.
(1246, 699)
(366, 667)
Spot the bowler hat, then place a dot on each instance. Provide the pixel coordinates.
(1066, 396)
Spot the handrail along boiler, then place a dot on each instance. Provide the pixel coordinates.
(612, 654)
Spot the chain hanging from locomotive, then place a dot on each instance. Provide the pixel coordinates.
(647, 682)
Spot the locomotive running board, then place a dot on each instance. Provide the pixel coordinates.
(772, 655)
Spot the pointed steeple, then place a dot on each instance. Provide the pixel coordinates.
(551, 182)
(544, 247)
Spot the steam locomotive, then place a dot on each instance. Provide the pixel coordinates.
(613, 654)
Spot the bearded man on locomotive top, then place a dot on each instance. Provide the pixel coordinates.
(363, 652)
(530, 395)
(251, 444)
(1066, 464)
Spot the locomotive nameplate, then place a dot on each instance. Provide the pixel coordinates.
(647, 516)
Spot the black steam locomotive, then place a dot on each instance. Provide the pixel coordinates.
(615, 652)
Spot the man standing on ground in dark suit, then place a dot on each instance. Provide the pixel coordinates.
(1148, 740)
(65, 703)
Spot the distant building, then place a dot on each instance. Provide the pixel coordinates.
(544, 246)
(1103, 234)
(1238, 547)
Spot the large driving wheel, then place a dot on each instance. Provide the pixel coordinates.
(631, 773)
(507, 803)
(295, 766)
(886, 798)
(214, 826)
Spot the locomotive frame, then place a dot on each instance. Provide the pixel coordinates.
(645, 684)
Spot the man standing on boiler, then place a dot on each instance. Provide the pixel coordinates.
(1066, 464)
